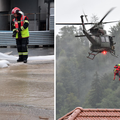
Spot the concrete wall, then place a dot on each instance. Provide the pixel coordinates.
(4, 25)
(27, 6)
(43, 10)
(4, 10)
(4, 5)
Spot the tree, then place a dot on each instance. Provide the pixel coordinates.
(95, 93)
(74, 75)
(71, 102)
(110, 99)
(60, 96)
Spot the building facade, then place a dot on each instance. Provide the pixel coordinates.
(41, 21)
(39, 12)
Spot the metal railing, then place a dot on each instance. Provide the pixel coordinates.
(36, 38)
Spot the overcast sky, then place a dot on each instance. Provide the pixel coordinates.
(70, 10)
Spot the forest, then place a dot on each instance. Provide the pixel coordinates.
(81, 82)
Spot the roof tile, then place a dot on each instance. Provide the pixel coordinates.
(92, 114)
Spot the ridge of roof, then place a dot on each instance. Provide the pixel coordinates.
(89, 112)
(72, 113)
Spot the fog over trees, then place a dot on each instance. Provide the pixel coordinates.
(81, 82)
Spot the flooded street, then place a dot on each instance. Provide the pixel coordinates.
(27, 90)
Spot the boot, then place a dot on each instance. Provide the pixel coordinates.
(25, 58)
(25, 61)
(20, 58)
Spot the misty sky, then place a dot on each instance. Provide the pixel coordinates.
(70, 10)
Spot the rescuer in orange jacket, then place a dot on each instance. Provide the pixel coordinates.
(20, 30)
(117, 71)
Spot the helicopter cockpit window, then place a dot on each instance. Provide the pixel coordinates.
(102, 39)
(107, 39)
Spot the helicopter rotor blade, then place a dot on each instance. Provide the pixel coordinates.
(106, 15)
(68, 24)
(110, 22)
(103, 19)
(73, 23)
(84, 23)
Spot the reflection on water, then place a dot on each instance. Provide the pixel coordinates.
(28, 84)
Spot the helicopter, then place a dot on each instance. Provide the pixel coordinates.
(100, 41)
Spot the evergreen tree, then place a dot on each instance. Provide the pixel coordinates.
(71, 102)
(60, 98)
(74, 74)
(95, 93)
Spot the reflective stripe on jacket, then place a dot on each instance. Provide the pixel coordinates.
(24, 32)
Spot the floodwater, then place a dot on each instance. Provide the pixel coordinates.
(27, 90)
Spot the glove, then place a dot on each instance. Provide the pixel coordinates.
(14, 35)
(19, 29)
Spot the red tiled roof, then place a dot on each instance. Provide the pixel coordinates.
(92, 114)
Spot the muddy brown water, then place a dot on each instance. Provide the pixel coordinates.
(27, 91)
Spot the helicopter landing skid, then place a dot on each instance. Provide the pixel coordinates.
(113, 54)
(92, 54)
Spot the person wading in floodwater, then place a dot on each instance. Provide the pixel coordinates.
(20, 30)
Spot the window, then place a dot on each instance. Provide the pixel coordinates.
(102, 39)
(107, 39)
